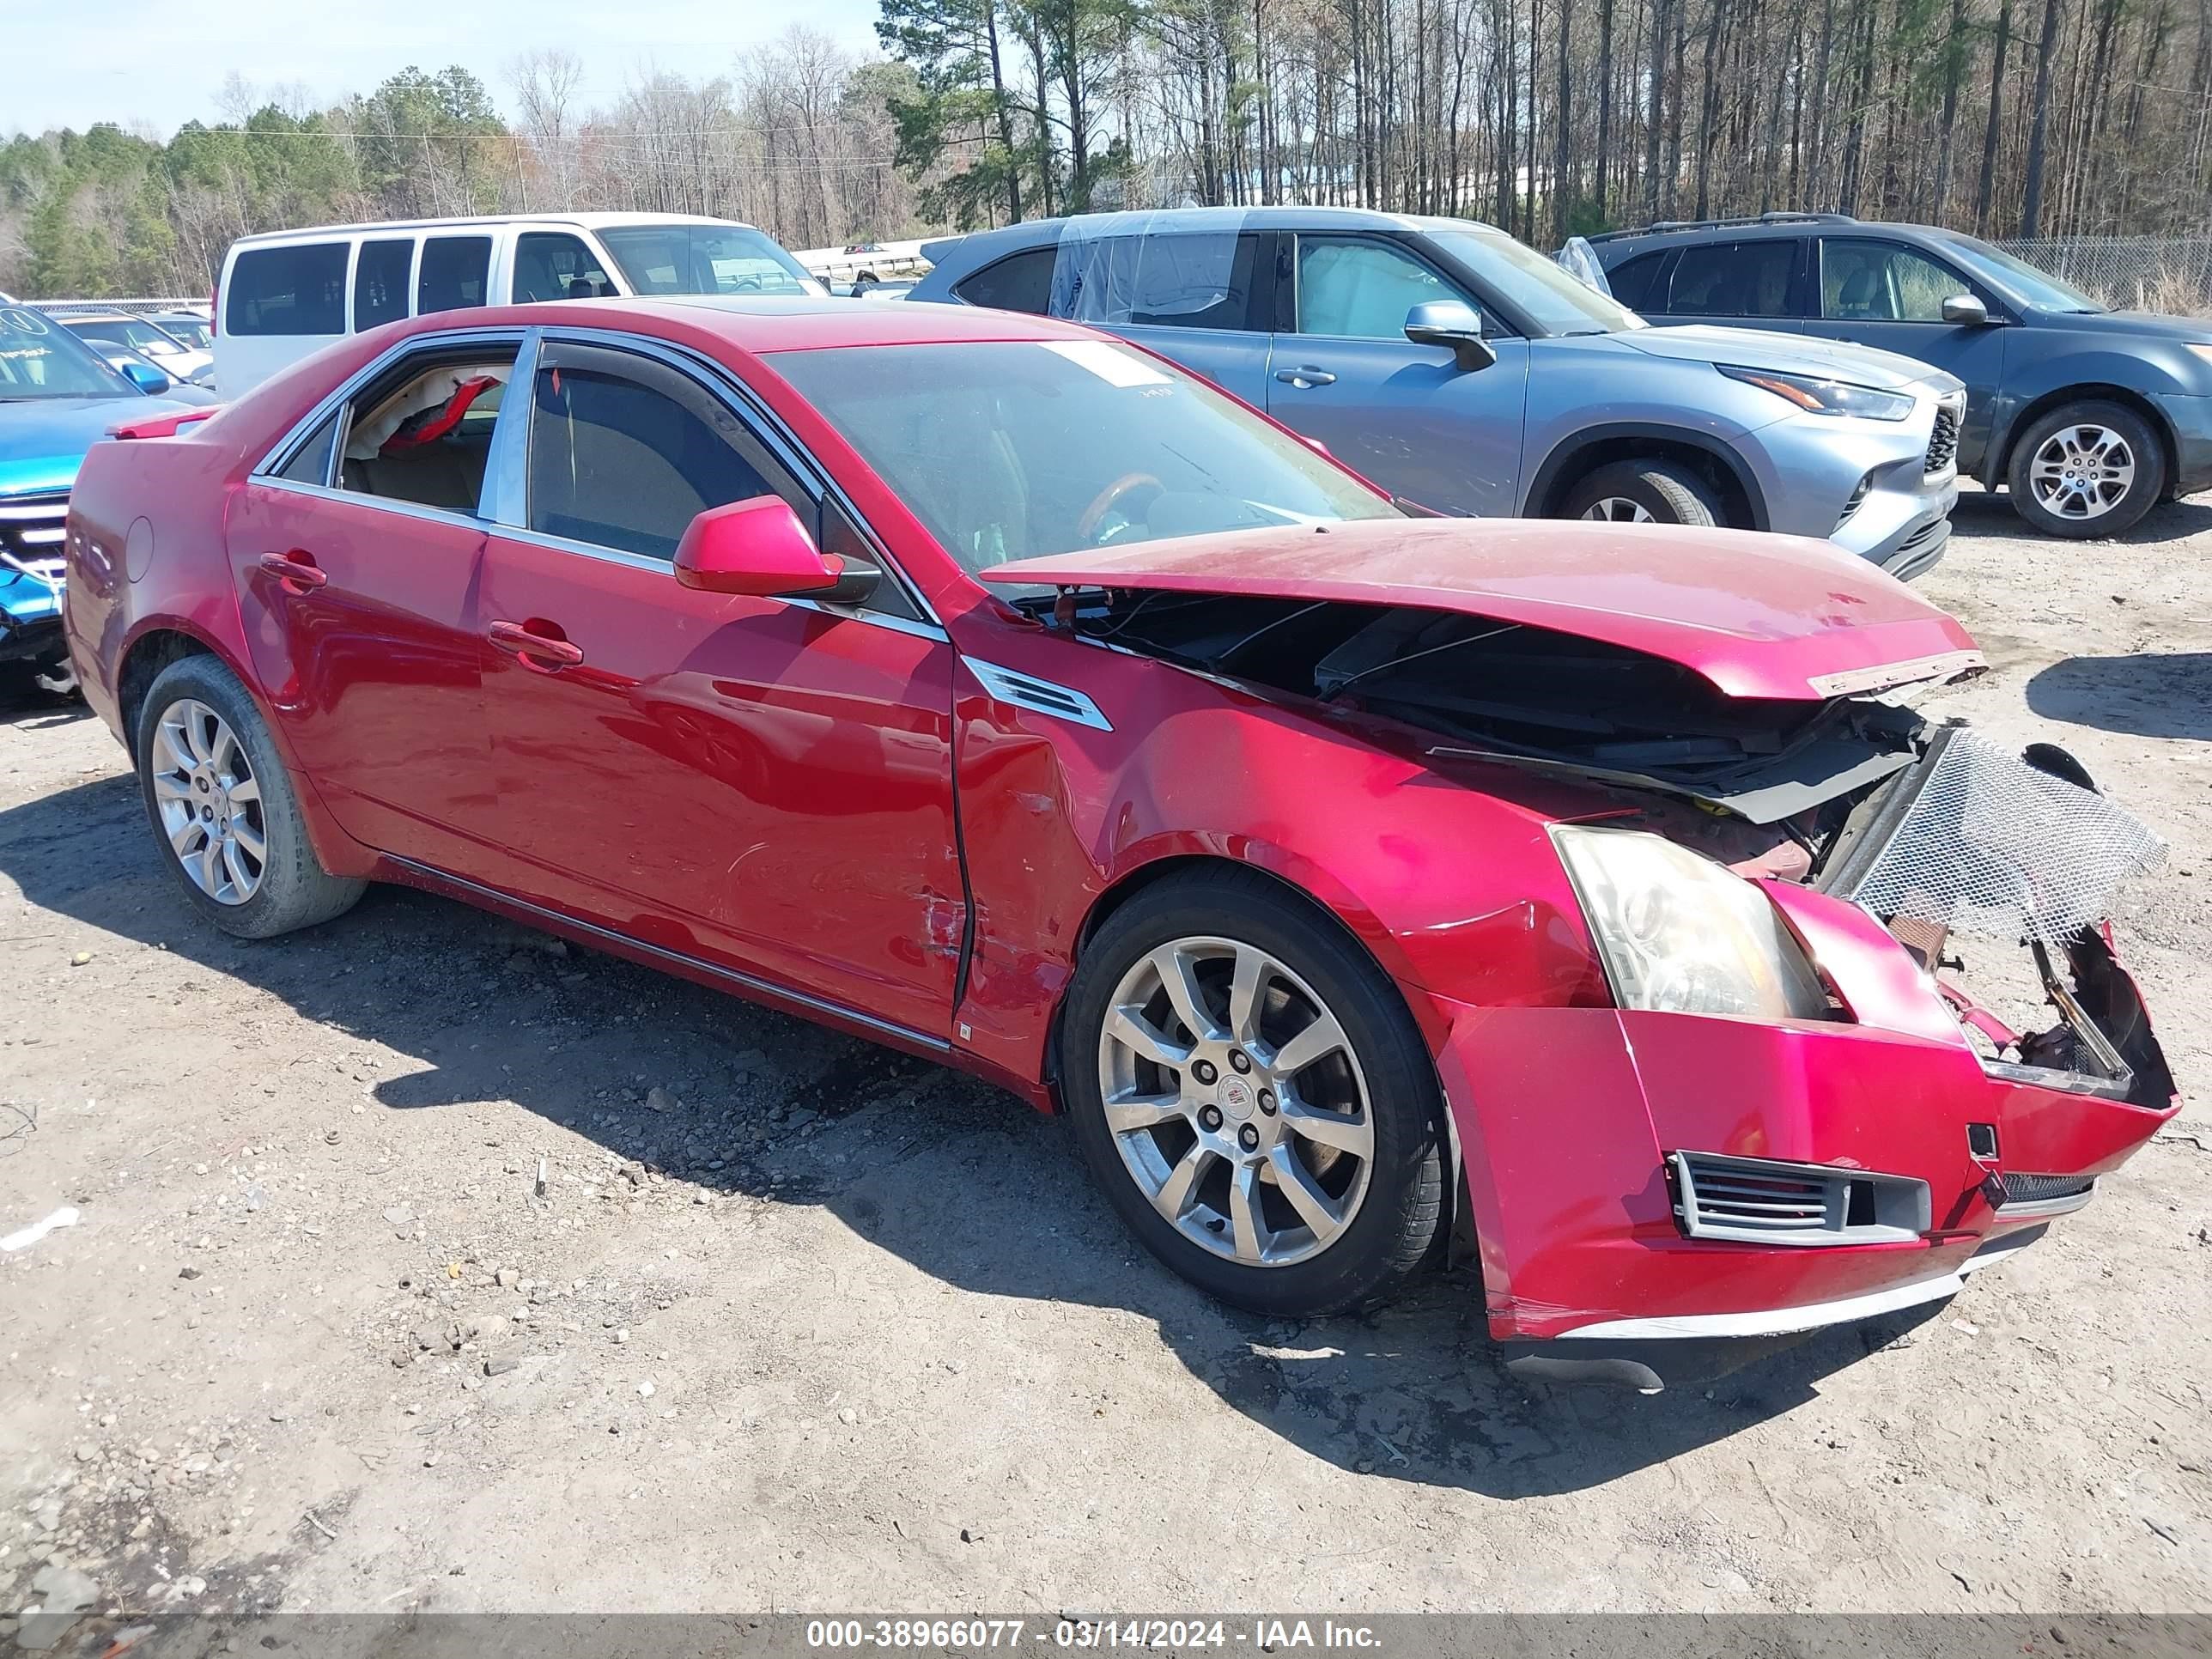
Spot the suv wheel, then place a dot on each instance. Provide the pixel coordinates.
(2087, 468)
(1644, 492)
(223, 808)
(1250, 1092)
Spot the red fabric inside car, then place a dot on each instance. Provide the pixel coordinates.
(442, 420)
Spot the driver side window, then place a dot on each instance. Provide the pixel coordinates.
(1883, 281)
(1359, 290)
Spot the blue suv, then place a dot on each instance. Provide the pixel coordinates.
(2089, 417)
(57, 398)
(1455, 367)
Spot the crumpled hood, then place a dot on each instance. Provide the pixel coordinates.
(1794, 354)
(43, 440)
(1757, 616)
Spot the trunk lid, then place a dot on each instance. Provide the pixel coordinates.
(1756, 615)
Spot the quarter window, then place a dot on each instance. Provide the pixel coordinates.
(380, 283)
(455, 272)
(1883, 281)
(311, 462)
(1361, 290)
(1734, 279)
(1020, 282)
(287, 290)
(1631, 282)
(624, 452)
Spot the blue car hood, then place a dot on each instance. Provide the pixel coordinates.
(43, 440)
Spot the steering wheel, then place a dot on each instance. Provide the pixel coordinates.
(1107, 500)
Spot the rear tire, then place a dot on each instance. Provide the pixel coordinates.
(225, 815)
(1293, 1162)
(1644, 492)
(2086, 470)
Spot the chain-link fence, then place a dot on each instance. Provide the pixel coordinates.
(2130, 273)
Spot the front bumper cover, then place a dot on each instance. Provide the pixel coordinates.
(1579, 1243)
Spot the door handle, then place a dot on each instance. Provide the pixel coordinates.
(529, 640)
(1305, 375)
(296, 570)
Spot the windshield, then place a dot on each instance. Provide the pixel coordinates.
(1011, 449)
(142, 338)
(2036, 287)
(705, 259)
(1552, 300)
(37, 360)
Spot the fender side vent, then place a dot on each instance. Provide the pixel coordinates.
(1038, 696)
(1767, 1201)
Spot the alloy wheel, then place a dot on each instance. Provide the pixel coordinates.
(1618, 509)
(1235, 1102)
(209, 802)
(2082, 472)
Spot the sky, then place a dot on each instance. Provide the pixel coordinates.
(162, 63)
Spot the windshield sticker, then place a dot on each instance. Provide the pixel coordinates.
(1110, 364)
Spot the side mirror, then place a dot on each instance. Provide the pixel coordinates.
(759, 548)
(1965, 308)
(147, 378)
(1454, 324)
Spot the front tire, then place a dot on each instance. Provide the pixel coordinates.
(1644, 492)
(224, 812)
(1250, 1090)
(2086, 470)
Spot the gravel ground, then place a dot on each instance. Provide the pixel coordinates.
(871, 1342)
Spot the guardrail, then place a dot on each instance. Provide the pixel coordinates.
(136, 308)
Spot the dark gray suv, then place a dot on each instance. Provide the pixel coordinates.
(2089, 417)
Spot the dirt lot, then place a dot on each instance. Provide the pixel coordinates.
(871, 1342)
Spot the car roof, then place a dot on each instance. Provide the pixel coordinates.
(1613, 246)
(596, 220)
(760, 325)
(1032, 233)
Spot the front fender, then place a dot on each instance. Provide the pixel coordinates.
(1454, 889)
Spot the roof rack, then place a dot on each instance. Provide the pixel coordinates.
(1664, 226)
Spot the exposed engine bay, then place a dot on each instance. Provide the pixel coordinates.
(1946, 838)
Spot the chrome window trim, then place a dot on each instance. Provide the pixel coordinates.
(744, 982)
(382, 503)
(274, 460)
(645, 562)
(505, 496)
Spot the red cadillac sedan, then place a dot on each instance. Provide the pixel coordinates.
(1364, 885)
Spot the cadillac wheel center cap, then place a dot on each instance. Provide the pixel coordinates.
(1238, 1099)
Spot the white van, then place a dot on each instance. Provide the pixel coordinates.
(286, 294)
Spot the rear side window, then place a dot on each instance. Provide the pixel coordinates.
(287, 290)
(1734, 279)
(1631, 282)
(1020, 282)
(554, 265)
(1196, 280)
(624, 452)
(455, 270)
(380, 283)
(422, 433)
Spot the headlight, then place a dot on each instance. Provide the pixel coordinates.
(1818, 396)
(1681, 935)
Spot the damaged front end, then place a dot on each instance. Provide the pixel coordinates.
(1948, 841)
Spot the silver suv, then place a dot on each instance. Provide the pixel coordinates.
(1457, 368)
